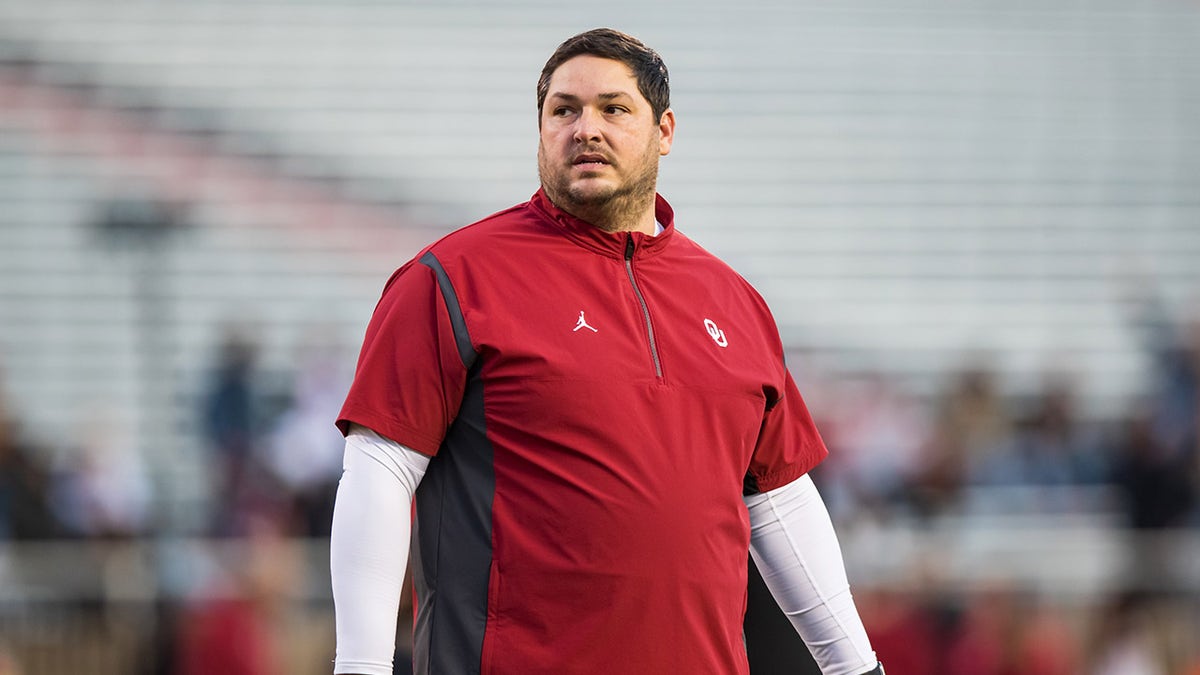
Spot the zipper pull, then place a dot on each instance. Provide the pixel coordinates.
(629, 246)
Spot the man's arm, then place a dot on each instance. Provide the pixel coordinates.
(794, 545)
(369, 548)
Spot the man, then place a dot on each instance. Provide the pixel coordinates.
(596, 421)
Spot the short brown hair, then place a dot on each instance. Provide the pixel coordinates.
(647, 66)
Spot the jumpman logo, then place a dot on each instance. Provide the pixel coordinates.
(582, 323)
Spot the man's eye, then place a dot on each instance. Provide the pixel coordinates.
(562, 111)
(615, 110)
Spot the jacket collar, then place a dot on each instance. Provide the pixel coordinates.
(612, 244)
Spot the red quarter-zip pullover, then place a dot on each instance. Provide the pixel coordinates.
(595, 404)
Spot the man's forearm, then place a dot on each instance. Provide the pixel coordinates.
(369, 549)
(797, 552)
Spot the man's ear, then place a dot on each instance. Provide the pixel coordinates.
(666, 127)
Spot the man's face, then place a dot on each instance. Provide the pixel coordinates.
(599, 139)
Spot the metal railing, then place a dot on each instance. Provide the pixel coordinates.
(144, 606)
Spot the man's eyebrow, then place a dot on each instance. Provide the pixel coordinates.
(572, 98)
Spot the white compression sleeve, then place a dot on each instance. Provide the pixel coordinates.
(369, 548)
(795, 548)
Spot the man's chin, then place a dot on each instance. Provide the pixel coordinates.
(590, 193)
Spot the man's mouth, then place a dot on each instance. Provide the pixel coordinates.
(590, 161)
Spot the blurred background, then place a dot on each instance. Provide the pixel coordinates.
(977, 222)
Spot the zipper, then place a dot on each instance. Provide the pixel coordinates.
(645, 309)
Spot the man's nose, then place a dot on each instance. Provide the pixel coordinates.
(587, 126)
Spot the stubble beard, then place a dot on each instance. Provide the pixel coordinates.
(617, 208)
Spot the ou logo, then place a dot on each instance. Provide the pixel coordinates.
(715, 333)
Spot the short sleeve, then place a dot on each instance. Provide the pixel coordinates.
(411, 374)
(789, 444)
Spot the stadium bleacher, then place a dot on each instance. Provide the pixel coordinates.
(905, 184)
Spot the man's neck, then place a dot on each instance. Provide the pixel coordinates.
(622, 214)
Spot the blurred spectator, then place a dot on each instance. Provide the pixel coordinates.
(1174, 414)
(104, 489)
(1193, 668)
(1046, 644)
(231, 424)
(978, 637)
(25, 511)
(973, 414)
(937, 488)
(1124, 643)
(904, 632)
(993, 631)
(1174, 347)
(971, 423)
(234, 628)
(1158, 483)
(275, 451)
(8, 663)
(304, 450)
(1049, 446)
(1001, 631)
(878, 433)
